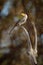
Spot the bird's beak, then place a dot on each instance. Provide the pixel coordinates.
(23, 14)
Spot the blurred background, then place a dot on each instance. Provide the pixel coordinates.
(34, 10)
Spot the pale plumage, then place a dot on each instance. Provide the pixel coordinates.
(21, 20)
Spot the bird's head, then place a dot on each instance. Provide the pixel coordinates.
(21, 18)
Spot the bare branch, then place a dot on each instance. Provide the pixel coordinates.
(35, 31)
(28, 38)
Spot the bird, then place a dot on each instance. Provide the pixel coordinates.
(18, 20)
(21, 18)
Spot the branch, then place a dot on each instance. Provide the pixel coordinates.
(35, 31)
